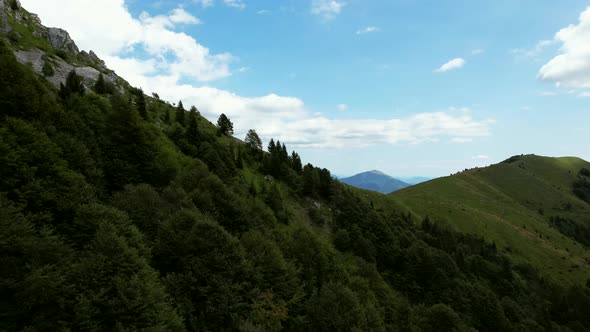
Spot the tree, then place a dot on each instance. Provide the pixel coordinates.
(141, 107)
(253, 140)
(180, 113)
(73, 85)
(100, 86)
(271, 146)
(167, 116)
(296, 162)
(225, 126)
(192, 134)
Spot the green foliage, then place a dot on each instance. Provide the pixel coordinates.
(73, 86)
(13, 4)
(47, 69)
(253, 141)
(582, 186)
(224, 125)
(103, 87)
(180, 113)
(113, 220)
(573, 229)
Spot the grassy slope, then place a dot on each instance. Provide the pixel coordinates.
(510, 204)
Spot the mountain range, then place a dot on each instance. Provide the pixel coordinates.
(122, 211)
(376, 181)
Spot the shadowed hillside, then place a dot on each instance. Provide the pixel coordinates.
(519, 204)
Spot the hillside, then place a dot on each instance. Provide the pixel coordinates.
(123, 212)
(515, 204)
(376, 181)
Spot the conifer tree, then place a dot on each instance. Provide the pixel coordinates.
(253, 140)
(224, 125)
(193, 128)
(141, 106)
(73, 85)
(180, 113)
(167, 116)
(100, 85)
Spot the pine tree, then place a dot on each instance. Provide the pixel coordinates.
(141, 107)
(192, 134)
(224, 125)
(73, 85)
(167, 116)
(100, 85)
(253, 140)
(296, 162)
(180, 113)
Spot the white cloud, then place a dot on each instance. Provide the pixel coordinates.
(585, 94)
(204, 3)
(342, 107)
(455, 63)
(571, 68)
(533, 52)
(368, 29)
(239, 4)
(480, 157)
(327, 9)
(113, 32)
(263, 11)
(526, 108)
(114, 35)
(477, 51)
(179, 15)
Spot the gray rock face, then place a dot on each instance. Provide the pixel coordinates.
(37, 58)
(60, 39)
(86, 64)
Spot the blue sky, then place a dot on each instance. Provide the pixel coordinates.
(404, 86)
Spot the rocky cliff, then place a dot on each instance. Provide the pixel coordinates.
(50, 51)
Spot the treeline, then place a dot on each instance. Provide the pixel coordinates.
(582, 185)
(120, 211)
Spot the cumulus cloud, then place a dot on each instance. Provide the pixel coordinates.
(179, 15)
(235, 3)
(327, 9)
(455, 63)
(368, 29)
(571, 68)
(114, 34)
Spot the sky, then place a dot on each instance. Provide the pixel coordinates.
(408, 87)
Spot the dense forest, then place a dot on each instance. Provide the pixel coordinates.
(119, 211)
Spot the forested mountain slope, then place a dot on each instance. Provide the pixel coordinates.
(534, 209)
(120, 211)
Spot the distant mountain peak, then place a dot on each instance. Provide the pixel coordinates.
(375, 180)
(377, 172)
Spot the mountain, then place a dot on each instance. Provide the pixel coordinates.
(526, 205)
(376, 181)
(122, 211)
